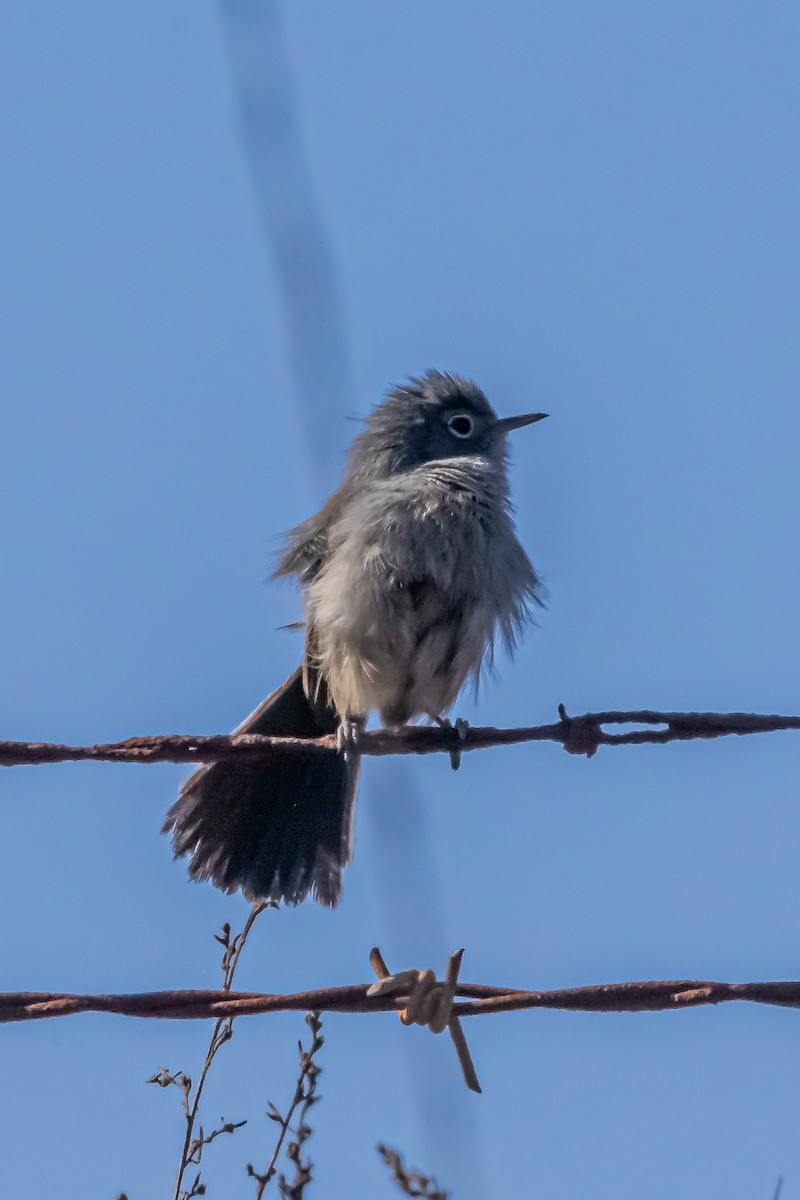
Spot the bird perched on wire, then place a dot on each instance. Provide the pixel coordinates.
(410, 572)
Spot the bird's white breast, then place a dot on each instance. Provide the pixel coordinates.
(423, 569)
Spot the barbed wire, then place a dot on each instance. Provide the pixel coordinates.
(578, 735)
(474, 1000)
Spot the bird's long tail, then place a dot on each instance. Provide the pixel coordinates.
(278, 830)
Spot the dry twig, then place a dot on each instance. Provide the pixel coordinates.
(192, 1149)
(305, 1094)
(411, 1183)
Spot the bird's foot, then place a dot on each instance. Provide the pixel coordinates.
(460, 728)
(348, 735)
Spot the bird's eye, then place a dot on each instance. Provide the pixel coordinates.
(461, 425)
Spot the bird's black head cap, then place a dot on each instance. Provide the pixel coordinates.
(436, 416)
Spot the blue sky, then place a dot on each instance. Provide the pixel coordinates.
(592, 209)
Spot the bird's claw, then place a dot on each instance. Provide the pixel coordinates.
(460, 727)
(348, 735)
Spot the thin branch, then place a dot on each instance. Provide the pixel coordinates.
(475, 999)
(305, 1096)
(411, 1183)
(578, 735)
(192, 1149)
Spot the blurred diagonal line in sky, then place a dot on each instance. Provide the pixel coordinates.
(292, 222)
(295, 230)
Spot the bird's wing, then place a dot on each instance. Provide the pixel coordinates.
(307, 545)
(306, 553)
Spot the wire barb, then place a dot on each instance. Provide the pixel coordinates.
(429, 1003)
(582, 735)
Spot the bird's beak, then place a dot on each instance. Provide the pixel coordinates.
(509, 423)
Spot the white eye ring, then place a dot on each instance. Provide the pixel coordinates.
(461, 425)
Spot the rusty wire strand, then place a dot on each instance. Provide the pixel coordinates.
(474, 999)
(578, 735)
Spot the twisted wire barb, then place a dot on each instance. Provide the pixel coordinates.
(474, 999)
(578, 735)
(429, 1003)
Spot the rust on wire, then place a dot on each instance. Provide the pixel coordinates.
(473, 999)
(578, 735)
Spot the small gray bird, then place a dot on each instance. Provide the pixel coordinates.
(410, 571)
